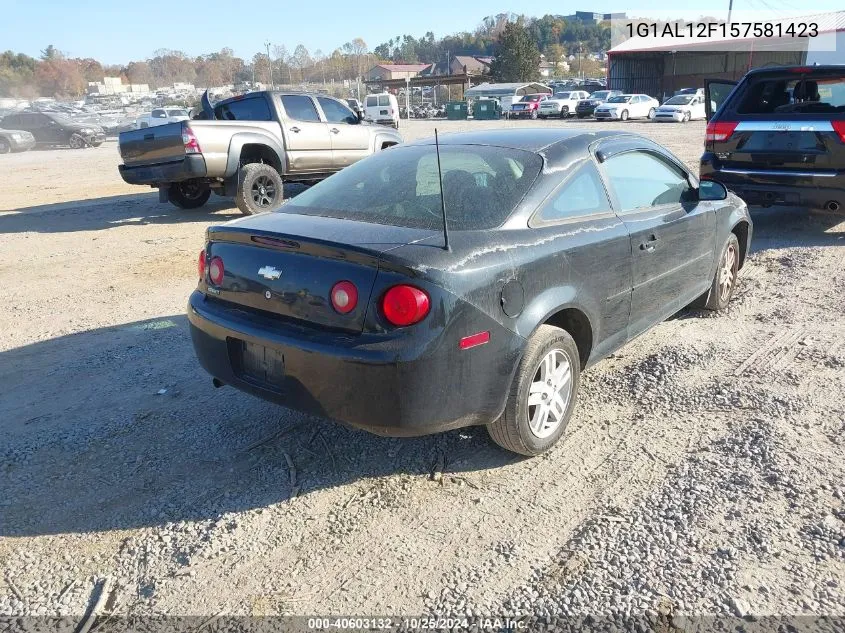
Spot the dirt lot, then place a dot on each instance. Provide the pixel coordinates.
(703, 471)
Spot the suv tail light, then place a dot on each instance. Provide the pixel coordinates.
(405, 305)
(839, 128)
(344, 296)
(216, 271)
(190, 142)
(720, 130)
(201, 264)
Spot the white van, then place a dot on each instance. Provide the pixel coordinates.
(382, 108)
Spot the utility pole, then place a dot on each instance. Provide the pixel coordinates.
(730, 9)
(269, 64)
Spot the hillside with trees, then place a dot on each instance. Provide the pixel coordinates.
(55, 74)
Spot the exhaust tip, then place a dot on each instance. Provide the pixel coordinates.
(217, 383)
(832, 205)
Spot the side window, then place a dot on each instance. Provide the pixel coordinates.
(383, 100)
(159, 114)
(582, 194)
(336, 112)
(642, 179)
(300, 107)
(253, 109)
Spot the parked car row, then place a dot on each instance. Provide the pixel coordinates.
(50, 129)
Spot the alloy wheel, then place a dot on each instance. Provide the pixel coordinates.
(726, 273)
(263, 191)
(549, 394)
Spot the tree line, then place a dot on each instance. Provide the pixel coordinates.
(56, 75)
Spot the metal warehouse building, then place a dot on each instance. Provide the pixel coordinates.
(659, 66)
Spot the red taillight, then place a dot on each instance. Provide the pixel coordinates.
(474, 340)
(201, 264)
(839, 128)
(344, 296)
(405, 305)
(216, 271)
(720, 130)
(190, 142)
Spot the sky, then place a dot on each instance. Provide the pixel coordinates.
(119, 31)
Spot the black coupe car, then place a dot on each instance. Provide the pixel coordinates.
(562, 246)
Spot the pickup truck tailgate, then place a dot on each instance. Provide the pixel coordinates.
(152, 145)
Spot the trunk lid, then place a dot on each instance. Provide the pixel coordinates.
(152, 145)
(285, 265)
(785, 123)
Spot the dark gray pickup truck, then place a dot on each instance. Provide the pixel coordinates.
(255, 144)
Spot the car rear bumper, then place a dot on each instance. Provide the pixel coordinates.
(191, 166)
(388, 385)
(773, 187)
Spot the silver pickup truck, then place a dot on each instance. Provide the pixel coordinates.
(255, 144)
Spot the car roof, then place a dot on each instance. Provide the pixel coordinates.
(821, 68)
(527, 139)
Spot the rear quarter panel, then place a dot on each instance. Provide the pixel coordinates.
(215, 138)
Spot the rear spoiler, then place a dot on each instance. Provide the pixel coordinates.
(207, 110)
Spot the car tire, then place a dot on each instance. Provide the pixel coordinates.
(564, 112)
(686, 118)
(533, 114)
(5, 148)
(724, 281)
(651, 114)
(522, 428)
(188, 194)
(623, 116)
(260, 189)
(76, 142)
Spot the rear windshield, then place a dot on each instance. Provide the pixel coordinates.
(372, 101)
(177, 113)
(562, 95)
(796, 94)
(399, 187)
(384, 100)
(532, 98)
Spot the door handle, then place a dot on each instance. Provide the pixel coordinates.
(334, 130)
(649, 244)
(294, 129)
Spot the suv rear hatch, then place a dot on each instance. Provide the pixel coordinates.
(781, 123)
(284, 265)
(152, 145)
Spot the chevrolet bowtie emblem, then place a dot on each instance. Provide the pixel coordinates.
(269, 272)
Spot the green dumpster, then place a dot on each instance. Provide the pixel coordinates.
(486, 109)
(456, 110)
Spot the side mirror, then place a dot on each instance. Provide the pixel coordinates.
(711, 190)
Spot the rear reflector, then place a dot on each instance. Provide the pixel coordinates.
(216, 271)
(720, 130)
(201, 264)
(839, 128)
(404, 305)
(475, 340)
(344, 296)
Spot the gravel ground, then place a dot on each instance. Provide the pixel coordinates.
(702, 473)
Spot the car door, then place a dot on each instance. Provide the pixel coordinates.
(641, 106)
(716, 92)
(44, 129)
(307, 137)
(697, 108)
(672, 234)
(350, 139)
(594, 253)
